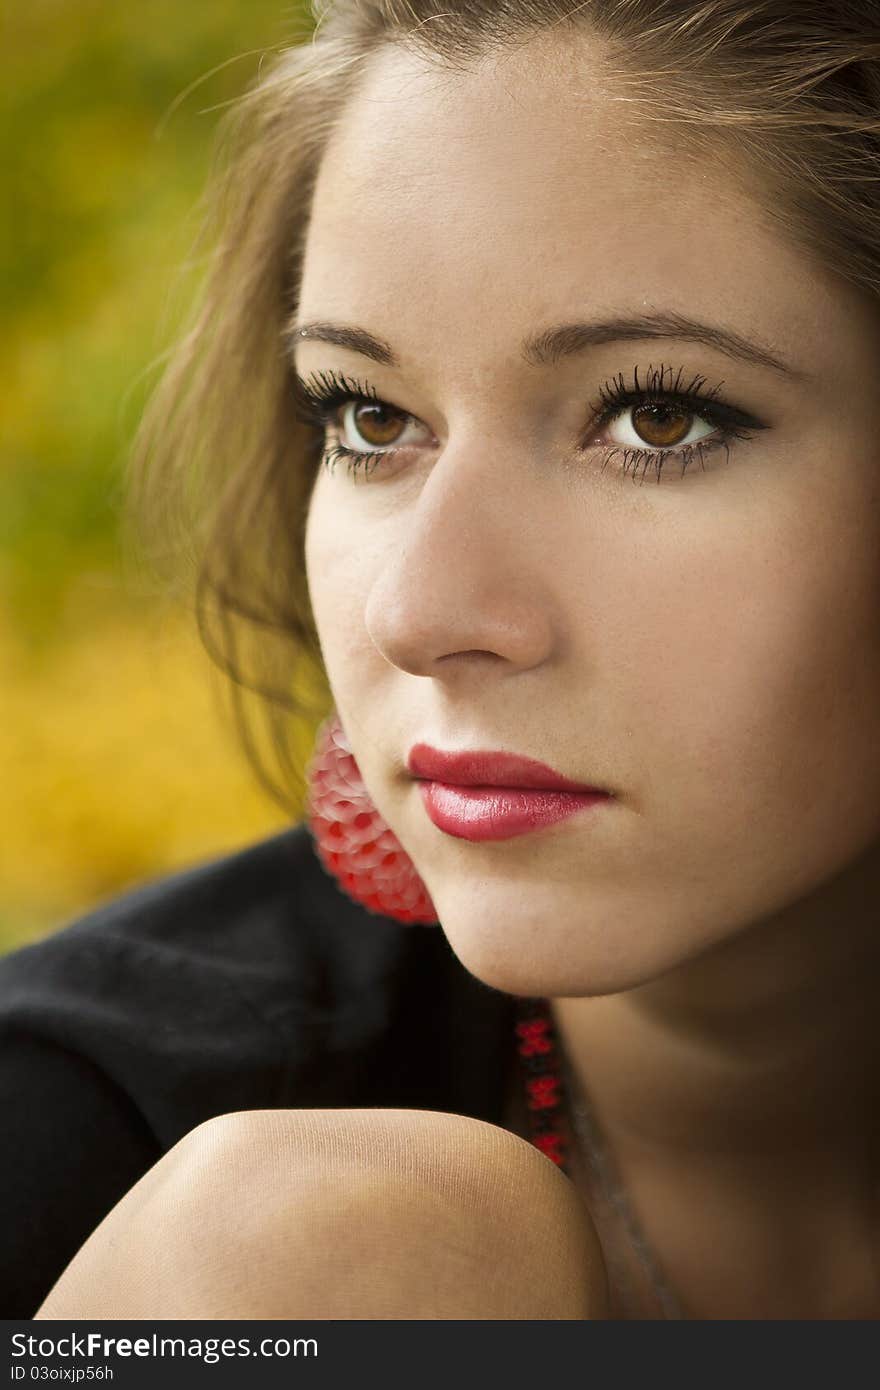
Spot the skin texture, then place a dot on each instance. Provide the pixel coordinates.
(706, 646)
(340, 1214)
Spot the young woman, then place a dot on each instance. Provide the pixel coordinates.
(533, 399)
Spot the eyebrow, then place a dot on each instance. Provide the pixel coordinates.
(566, 339)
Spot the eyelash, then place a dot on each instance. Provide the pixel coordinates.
(322, 396)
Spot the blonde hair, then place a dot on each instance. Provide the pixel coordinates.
(222, 465)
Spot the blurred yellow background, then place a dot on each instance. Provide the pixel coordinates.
(116, 761)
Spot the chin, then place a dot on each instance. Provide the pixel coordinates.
(553, 944)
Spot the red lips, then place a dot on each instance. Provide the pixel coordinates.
(495, 796)
(487, 769)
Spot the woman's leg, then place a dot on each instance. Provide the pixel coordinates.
(341, 1214)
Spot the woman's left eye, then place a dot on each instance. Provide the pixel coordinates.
(662, 424)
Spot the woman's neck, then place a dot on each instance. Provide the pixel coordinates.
(743, 1089)
(765, 1041)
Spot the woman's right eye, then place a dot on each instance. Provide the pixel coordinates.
(348, 411)
(377, 423)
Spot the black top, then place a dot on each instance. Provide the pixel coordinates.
(248, 982)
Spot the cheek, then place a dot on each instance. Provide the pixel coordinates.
(338, 564)
(759, 672)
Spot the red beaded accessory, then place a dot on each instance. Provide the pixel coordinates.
(354, 843)
(360, 850)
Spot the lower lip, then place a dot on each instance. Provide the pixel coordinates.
(499, 813)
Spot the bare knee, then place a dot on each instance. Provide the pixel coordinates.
(412, 1214)
(341, 1214)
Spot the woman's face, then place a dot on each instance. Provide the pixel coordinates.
(518, 575)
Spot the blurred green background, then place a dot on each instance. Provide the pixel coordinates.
(116, 760)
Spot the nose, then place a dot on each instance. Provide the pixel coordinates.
(466, 580)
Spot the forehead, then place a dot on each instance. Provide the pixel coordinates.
(510, 193)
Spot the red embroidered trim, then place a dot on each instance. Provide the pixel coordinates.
(538, 1050)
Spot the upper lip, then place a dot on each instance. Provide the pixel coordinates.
(484, 768)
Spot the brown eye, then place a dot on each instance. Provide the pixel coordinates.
(378, 424)
(661, 424)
